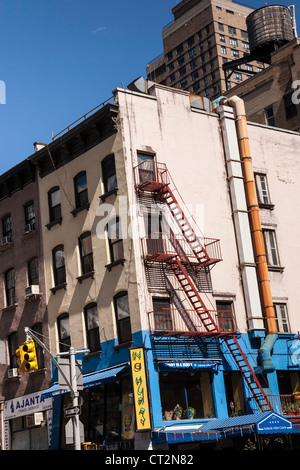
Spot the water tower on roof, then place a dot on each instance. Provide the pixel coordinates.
(269, 28)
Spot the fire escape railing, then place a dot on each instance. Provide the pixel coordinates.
(186, 322)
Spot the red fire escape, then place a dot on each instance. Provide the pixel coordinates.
(185, 253)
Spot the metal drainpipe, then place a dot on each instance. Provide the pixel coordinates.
(257, 236)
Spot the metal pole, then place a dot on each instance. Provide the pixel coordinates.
(75, 418)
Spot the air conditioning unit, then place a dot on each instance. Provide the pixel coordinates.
(34, 420)
(5, 240)
(12, 373)
(32, 290)
(29, 228)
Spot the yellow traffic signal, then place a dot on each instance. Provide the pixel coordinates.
(29, 356)
(20, 359)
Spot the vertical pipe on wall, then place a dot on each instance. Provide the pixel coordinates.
(258, 242)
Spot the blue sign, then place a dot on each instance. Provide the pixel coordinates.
(274, 423)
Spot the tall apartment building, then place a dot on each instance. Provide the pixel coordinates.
(23, 412)
(268, 96)
(203, 36)
(177, 288)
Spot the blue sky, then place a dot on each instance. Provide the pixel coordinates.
(61, 58)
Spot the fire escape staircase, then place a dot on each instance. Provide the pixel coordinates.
(154, 178)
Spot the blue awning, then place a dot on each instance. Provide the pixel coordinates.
(183, 433)
(259, 423)
(92, 380)
(187, 365)
(101, 378)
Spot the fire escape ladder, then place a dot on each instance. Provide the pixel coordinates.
(248, 373)
(184, 225)
(192, 294)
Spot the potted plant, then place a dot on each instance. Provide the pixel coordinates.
(177, 412)
(190, 413)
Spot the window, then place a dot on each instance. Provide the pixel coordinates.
(223, 50)
(59, 269)
(180, 60)
(182, 70)
(29, 215)
(195, 75)
(234, 53)
(207, 29)
(269, 113)
(179, 49)
(86, 253)
(222, 38)
(281, 317)
(33, 272)
(290, 107)
(221, 26)
(192, 52)
(232, 42)
(147, 169)
(162, 314)
(271, 247)
(237, 75)
(245, 45)
(80, 188)
(54, 204)
(225, 315)
(244, 34)
(183, 82)
(249, 67)
(192, 392)
(193, 64)
(12, 347)
(64, 335)
(92, 327)
(231, 30)
(109, 173)
(123, 317)
(114, 232)
(191, 41)
(262, 189)
(10, 287)
(6, 226)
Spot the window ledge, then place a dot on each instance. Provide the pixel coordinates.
(266, 206)
(80, 208)
(85, 276)
(60, 286)
(115, 263)
(33, 297)
(28, 235)
(10, 307)
(128, 344)
(278, 269)
(109, 193)
(54, 222)
(87, 356)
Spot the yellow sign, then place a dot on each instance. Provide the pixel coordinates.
(140, 391)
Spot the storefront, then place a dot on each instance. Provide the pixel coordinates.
(106, 411)
(28, 422)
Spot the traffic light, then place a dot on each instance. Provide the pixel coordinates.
(20, 359)
(29, 356)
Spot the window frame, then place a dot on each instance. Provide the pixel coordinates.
(92, 334)
(13, 344)
(81, 196)
(29, 215)
(270, 118)
(282, 323)
(108, 173)
(263, 193)
(117, 241)
(56, 273)
(120, 322)
(30, 269)
(54, 210)
(64, 342)
(10, 290)
(271, 248)
(86, 259)
(6, 226)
